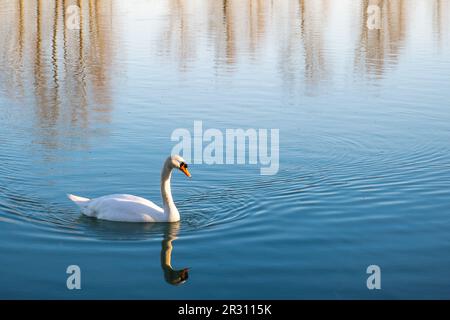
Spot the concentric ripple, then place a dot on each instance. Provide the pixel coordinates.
(339, 188)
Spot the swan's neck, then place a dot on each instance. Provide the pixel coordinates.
(166, 255)
(168, 205)
(166, 251)
(172, 276)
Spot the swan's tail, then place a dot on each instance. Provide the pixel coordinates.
(80, 201)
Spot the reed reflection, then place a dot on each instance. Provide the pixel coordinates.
(441, 22)
(381, 46)
(313, 18)
(68, 75)
(237, 26)
(238, 30)
(65, 74)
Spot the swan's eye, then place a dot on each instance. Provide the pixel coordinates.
(183, 168)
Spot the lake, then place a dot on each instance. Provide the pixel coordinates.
(358, 91)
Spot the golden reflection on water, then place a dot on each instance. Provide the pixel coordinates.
(68, 74)
(301, 30)
(441, 15)
(246, 23)
(229, 24)
(380, 46)
(64, 73)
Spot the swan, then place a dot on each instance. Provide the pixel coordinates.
(129, 208)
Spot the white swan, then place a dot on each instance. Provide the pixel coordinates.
(128, 208)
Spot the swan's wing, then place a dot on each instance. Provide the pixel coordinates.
(80, 201)
(123, 207)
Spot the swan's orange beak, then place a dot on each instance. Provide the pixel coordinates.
(185, 171)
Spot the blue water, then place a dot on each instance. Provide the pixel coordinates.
(364, 169)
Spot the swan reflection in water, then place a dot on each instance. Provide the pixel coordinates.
(108, 230)
(172, 276)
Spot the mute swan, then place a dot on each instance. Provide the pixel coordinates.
(128, 208)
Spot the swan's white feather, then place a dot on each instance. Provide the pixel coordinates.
(120, 207)
(80, 201)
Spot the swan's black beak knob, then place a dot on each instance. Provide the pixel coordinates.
(184, 169)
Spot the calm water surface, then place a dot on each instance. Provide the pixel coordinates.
(364, 147)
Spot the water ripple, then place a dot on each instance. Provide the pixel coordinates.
(351, 186)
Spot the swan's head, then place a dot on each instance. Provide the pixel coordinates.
(179, 163)
(177, 277)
